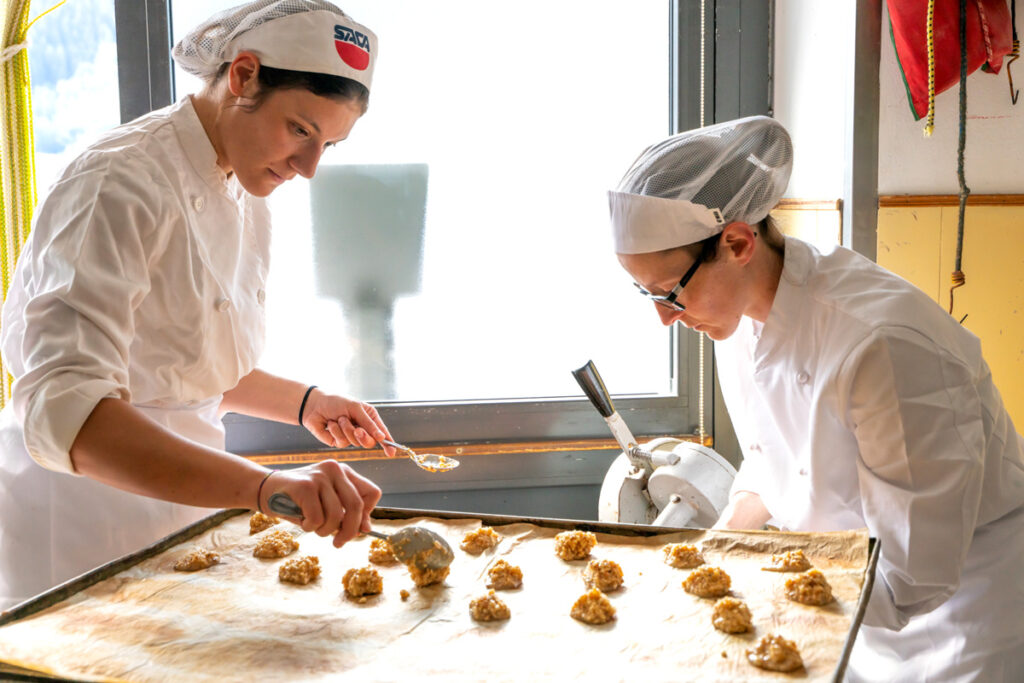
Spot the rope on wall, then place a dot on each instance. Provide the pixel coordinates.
(958, 278)
(929, 126)
(17, 149)
(1015, 55)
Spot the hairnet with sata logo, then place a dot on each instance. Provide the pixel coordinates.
(690, 186)
(300, 35)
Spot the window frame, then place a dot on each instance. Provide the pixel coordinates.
(146, 79)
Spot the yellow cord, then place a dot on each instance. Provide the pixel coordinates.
(44, 14)
(929, 126)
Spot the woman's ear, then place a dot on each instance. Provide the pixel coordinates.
(738, 239)
(243, 75)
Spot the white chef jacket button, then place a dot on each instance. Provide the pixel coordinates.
(261, 296)
(198, 203)
(754, 447)
(223, 304)
(802, 377)
(803, 472)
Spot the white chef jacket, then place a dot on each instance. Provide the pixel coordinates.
(861, 403)
(142, 279)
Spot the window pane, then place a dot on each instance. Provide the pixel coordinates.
(72, 60)
(457, 246)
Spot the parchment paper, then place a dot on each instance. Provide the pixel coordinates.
(237, 621)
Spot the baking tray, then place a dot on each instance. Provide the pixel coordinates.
(74, 586)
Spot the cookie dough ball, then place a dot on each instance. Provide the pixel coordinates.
(707, 582)
(604, 575)
(300, 570)
(475, 542)
(731, 615)
(362, 581)
(809, 588)
(197, 559)
(424, 576)
(504, 576)
(381, 552)
(775, 653)
(275, 544)
(682, 556)
(261, 522)
(488, 608)
(593, 607)
(575, 545)
(791, 561)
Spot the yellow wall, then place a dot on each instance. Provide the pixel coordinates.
(918, 242)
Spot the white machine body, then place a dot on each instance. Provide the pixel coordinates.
(687, 487)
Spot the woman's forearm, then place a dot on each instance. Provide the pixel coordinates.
(120, 446)
(261, 394)
(745, 510)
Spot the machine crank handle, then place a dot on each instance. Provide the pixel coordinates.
(593, 386)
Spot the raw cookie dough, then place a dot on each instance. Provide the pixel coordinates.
(381, 552)
(593, 607)
(275, 544)
(261, 522)
(731, 616)
(682, 556)
(197, 559)
(604, 575)
(475, 542)
(809, 588)
(300, 570)
(775, 653)
(707, 582)
(362, 581)
(575, 545)
(488, 608)
(791, 561)
(504, 576)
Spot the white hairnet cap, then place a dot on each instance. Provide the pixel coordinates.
(689, 187)
(301, 35)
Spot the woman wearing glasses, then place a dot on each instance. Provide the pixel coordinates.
(135, 318)
(857, 401)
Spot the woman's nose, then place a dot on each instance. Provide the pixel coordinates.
(306, 161)
(668, 315)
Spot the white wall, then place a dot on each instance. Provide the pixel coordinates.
(811, 47)
(813, 44)
(910, 163)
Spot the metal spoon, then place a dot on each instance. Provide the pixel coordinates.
(430, 462)
(412, 545)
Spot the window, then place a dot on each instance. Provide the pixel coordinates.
(457, 247)
(518, 127)
(72, 55)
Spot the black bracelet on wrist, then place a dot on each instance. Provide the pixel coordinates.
(259, 490)
(302, 406)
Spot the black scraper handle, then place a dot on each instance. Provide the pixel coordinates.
(590, 381)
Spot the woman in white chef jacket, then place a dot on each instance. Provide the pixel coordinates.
(135, 318)
(857, 401)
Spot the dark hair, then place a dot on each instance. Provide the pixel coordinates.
(768, 227)
(324, 85)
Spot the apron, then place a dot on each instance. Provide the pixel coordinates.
(58, 526)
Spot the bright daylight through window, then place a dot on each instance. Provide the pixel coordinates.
(457, 246)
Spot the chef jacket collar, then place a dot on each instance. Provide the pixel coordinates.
(197, 146)
(787, 309)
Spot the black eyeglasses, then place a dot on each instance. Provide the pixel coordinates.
(669, 300)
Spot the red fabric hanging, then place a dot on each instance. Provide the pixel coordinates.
(989, 39)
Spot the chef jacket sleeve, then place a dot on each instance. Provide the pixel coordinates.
(749, 476)
(86, 276)
(916, 414)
